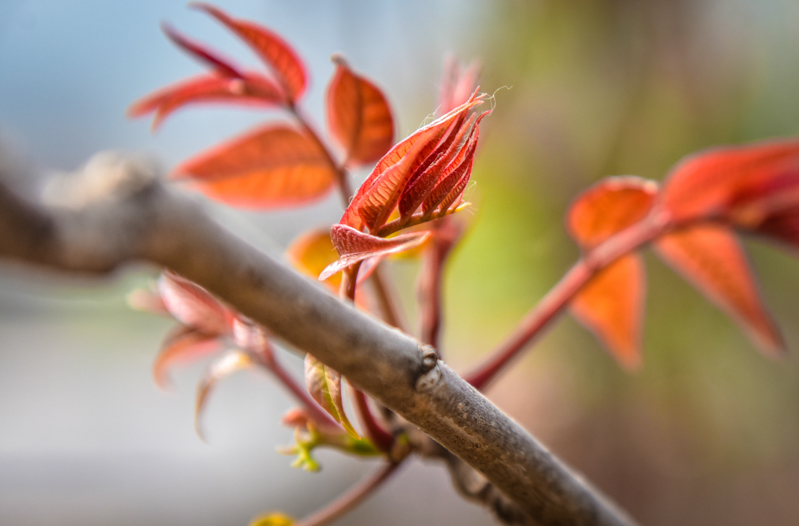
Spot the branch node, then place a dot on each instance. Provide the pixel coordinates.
(431, 374)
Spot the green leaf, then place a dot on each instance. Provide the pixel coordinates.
(324, 385)
(306, 439)
(304, 444)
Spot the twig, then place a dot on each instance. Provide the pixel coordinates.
(351, 499)
(381, 438)
(137, 219)
(387, 299)
(342, 176)
(556, 300)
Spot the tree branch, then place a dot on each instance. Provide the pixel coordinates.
(129, 216)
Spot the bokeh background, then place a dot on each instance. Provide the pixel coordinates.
(707, 432)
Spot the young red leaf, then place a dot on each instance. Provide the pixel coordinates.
(354, 246)
(378, 195)
(271, 48)
(182, 345)
(249, 91)
(226, 365)
(420, 186)
(710, 257)
(448, 191)
(358, 116)
(193, 306)
(324, 385)
(376, 205)
(454, 199)
(272, 166)
(609, 207)
(219, 64)
(743, 184)
(611, 305)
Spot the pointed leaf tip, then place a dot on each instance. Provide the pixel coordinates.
(284, 62)
(712, 260)
(204, 54)
(208, 89)
(611, 305)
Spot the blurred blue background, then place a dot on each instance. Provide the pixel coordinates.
(705, 433)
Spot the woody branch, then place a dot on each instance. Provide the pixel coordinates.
(131, 217)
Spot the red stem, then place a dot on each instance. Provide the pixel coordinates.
(350, 500)
(430, 283)
(386, 298)
(381, 438)
(342, 177)
(559, 296)
(374, 431)
(314, 411)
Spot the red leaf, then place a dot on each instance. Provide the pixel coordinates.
(270, 47)
(200, 51)
(375, 205)
(611, 305)
(226, 365)
(182, 345)
(710, 257)
(609, 207)
(192, 305)
(420, 186)
(354, 246)
(251, 91)
(454, 198)
(272, 166)
(358, 115)
(452, 181)
(744, 184)
(378, 195)
(783, 226)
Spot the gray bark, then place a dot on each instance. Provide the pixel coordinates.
(126, 215)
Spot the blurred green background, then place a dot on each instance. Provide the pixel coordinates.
(707, 432)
